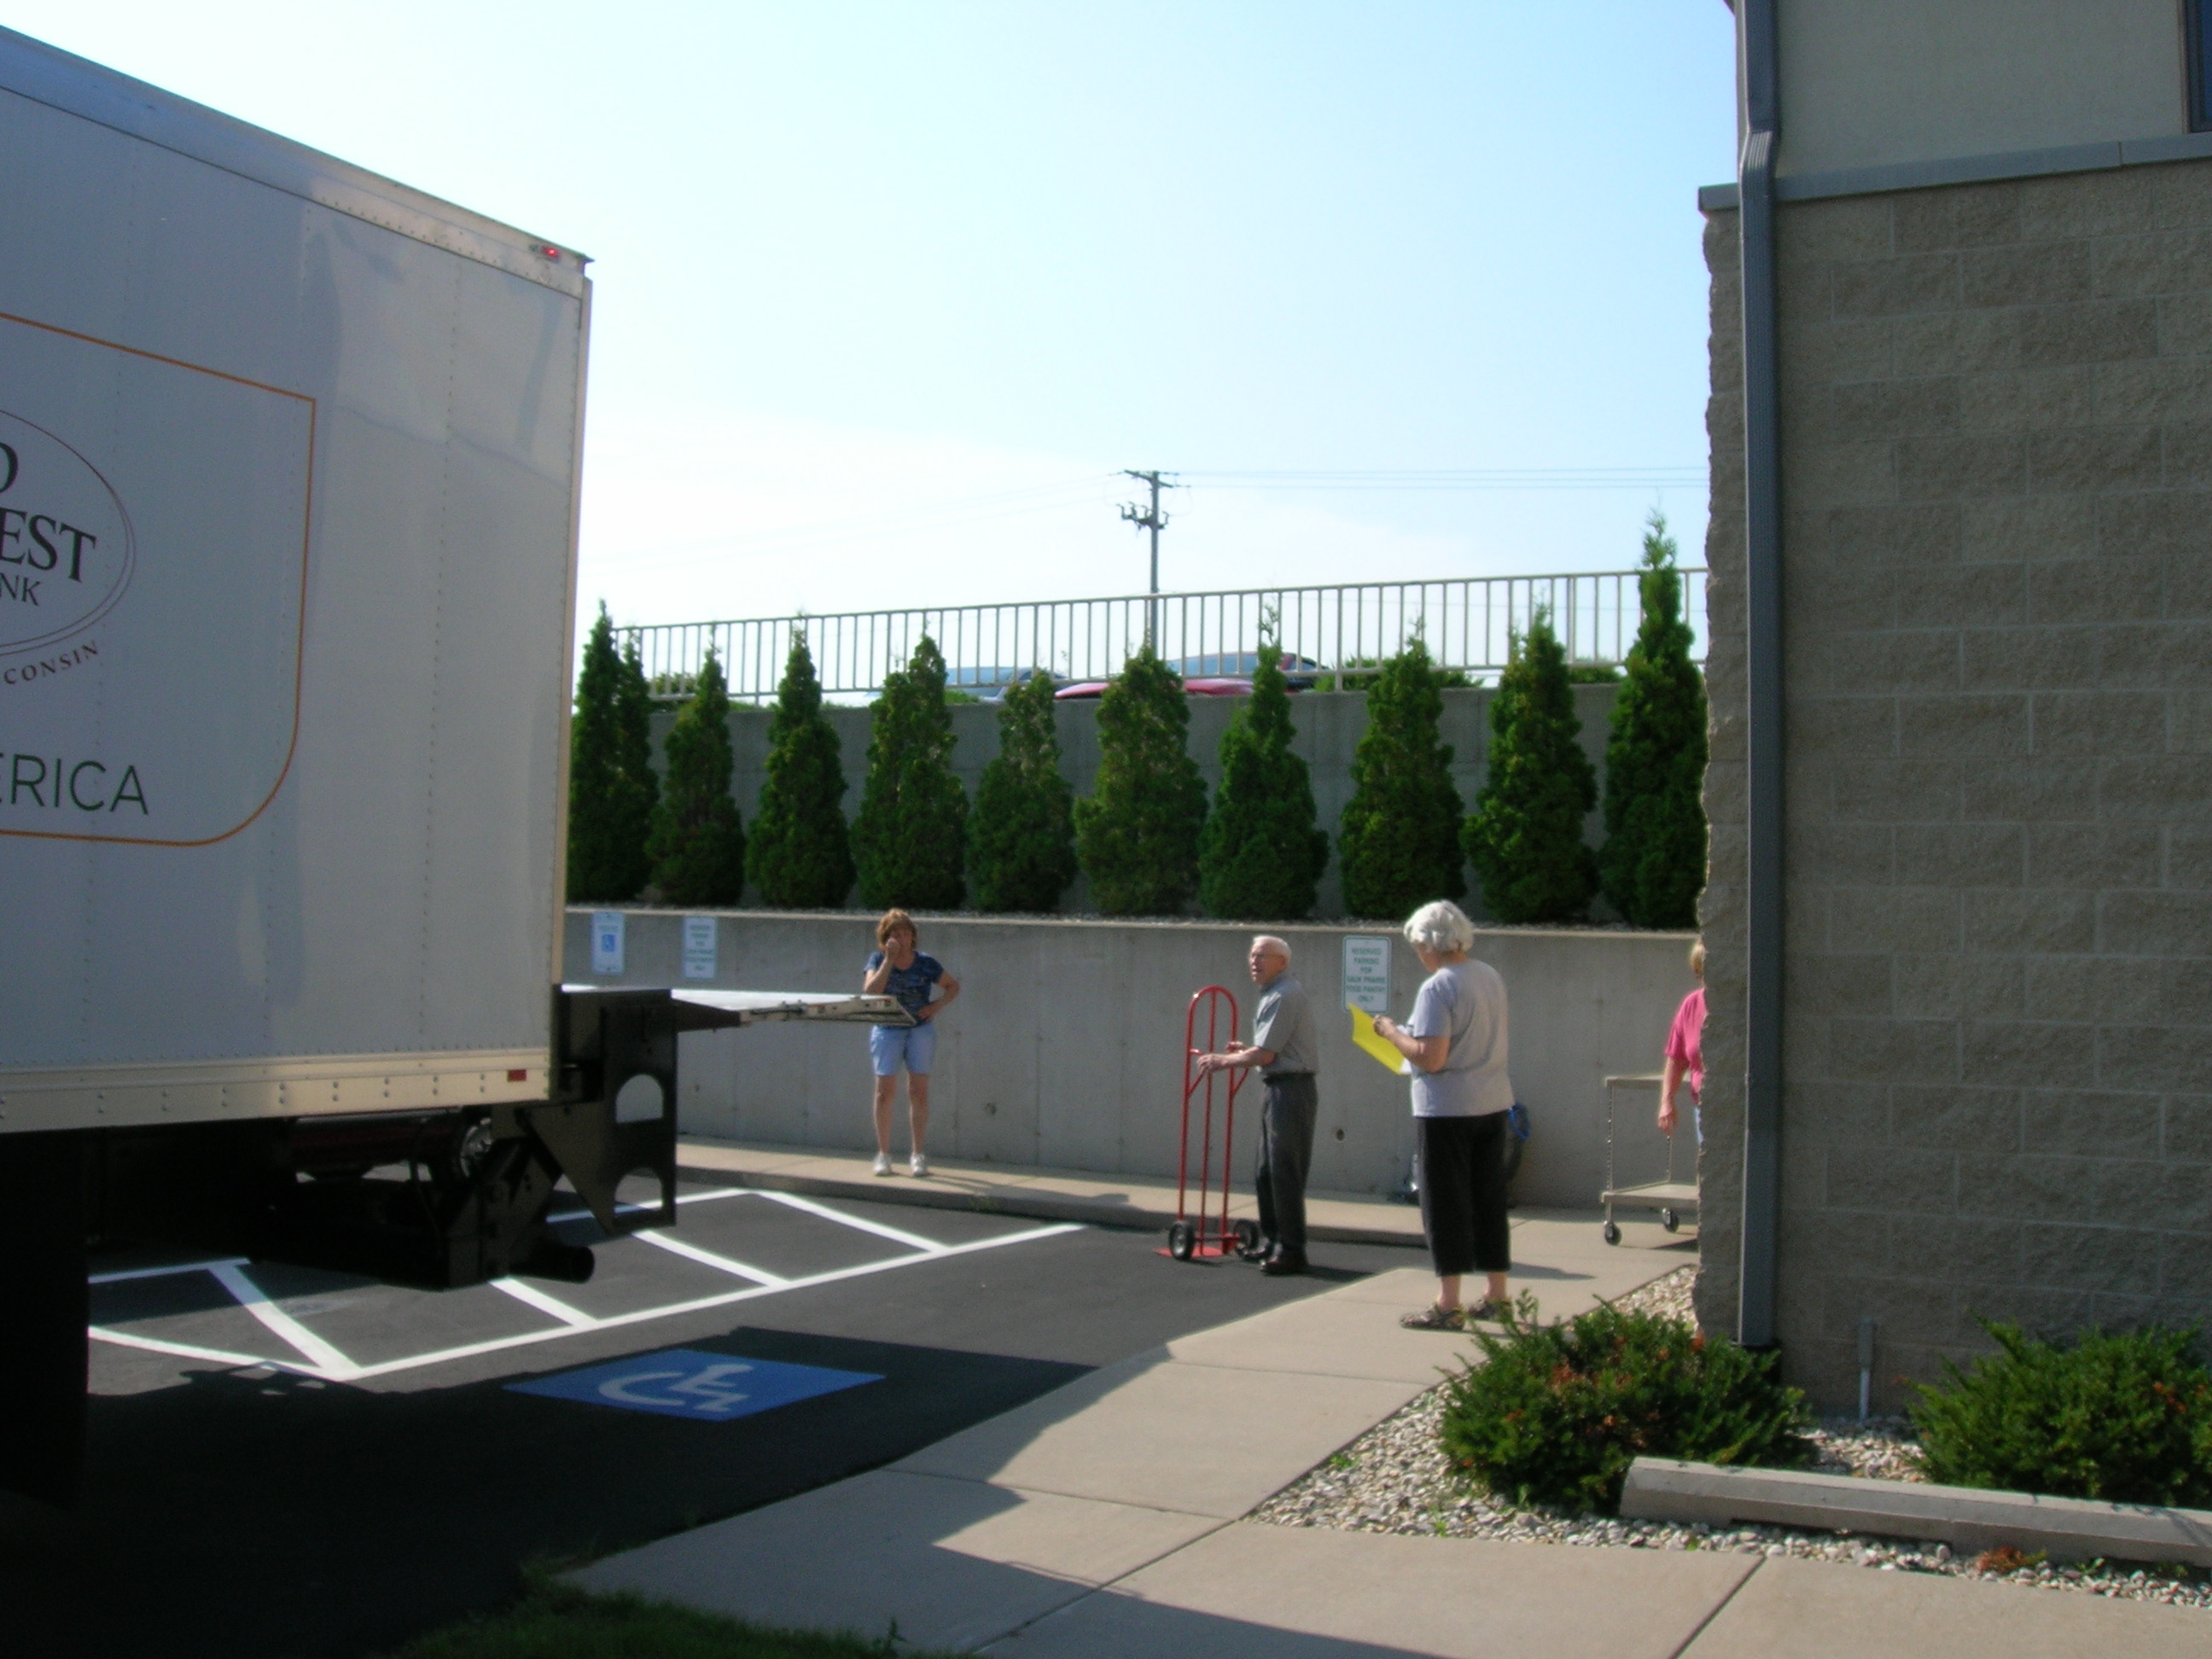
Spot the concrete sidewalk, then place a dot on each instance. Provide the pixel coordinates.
(1098, 1200)
(1103, 1521)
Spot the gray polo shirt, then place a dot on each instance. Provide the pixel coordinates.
(1284, 1023)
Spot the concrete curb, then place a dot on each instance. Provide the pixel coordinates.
(1001, 1200)
(2065, 1528)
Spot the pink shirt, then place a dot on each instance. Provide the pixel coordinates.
(1686, 1040)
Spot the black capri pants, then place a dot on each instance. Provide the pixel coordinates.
(1463, 1194)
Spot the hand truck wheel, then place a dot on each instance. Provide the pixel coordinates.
(1670, 1220)
(1247, 1239)
(1182, 1241)
(1612, 1233)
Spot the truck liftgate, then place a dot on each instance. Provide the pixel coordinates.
(433, 1199)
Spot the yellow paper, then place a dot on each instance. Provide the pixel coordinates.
(1364, 1034)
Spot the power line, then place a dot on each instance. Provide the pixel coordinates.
(1474, 478)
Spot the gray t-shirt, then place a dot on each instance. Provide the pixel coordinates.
(1466, 1002)
(1284, 1023)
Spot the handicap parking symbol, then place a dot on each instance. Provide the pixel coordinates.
(707, 1387)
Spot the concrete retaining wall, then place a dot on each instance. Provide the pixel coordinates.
(1328, 724)
(1065, 1049)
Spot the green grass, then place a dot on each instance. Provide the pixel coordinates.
(555, 1621)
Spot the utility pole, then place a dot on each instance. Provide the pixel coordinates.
(1153, 519)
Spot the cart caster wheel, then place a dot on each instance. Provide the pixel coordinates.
(1247, 1239)
(1182, 1241)
(1612, 1233)
(1670, 1221)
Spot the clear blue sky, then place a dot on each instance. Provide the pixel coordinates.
(885, 292)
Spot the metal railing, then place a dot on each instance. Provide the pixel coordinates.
(1469, 623)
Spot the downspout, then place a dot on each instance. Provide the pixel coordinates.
(1762, 1117)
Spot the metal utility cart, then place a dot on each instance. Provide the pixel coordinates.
(1196, 1234)
(1670, 1197)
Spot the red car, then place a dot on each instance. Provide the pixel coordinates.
(1213, 685)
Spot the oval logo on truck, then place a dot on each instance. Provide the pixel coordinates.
(66, 549)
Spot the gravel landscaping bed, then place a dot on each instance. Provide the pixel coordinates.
(1394, 1479)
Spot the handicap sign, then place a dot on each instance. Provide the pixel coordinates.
(707, 1387)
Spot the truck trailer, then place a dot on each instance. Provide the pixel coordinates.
(290, 464)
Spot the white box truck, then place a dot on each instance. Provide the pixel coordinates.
(288, 487)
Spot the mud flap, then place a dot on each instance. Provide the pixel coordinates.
(44, 1308)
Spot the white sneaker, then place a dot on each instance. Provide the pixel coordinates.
(882, 1163)
(919, 1164)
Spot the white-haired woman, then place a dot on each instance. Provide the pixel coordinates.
(1455, 1043)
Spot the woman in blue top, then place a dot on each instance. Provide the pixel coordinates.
(1454, 1046)
(896, 968)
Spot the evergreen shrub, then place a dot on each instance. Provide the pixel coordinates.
(1554, 1415)
(1260, 857)
(2123, 1417)
(698, 842)
(910, 838)
(1525, 836)
(798, 856)
(611, 787)
(1021, 837)
(1653, 863)
(1136, 833)
(1398, 843)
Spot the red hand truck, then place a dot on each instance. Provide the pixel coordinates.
(1201, 1235)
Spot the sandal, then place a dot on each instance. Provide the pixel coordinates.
(1489, 1312)
(1432, 1318)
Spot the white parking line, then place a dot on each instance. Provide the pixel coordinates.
(708, 1258)
(329, 1362)
(165, 1273)
(532, 1297)
(184, 1349)
(708, 1196)
(912, 1241)
(354, 1373)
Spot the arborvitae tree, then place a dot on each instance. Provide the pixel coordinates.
(1654, 860)
(1021, 837)
(1398, 844)
(1136, 834)
(698, 843)
(911, 837)
(1261, 857)
(610, 782)
(1525, 838)
(798, 855)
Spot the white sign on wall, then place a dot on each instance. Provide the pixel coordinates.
(606, 941)
(699, 947)
(1367, 972)
(154, 519)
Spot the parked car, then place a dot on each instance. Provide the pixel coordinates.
(1222, 674)
(1300, 672)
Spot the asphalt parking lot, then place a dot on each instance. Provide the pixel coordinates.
(287, 1462)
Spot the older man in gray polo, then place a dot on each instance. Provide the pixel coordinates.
(1286, 1049)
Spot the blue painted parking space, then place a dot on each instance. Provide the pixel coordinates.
(710, 1388)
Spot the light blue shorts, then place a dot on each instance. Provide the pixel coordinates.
(912, 1047)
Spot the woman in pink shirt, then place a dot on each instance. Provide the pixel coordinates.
(1685, 1051)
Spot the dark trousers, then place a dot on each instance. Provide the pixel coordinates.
(1463, 1194)
(1287, 1133)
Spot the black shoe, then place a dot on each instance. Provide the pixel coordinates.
(1284, 1263)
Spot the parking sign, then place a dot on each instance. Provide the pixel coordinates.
(606, 941)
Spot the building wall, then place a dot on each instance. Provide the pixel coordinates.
(1328, 728)
(1868, 82)
(1997, 592)
(1066, 1047)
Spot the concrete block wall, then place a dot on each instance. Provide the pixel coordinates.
(1065, 1049)
(1997, 547)
(1328, 727)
